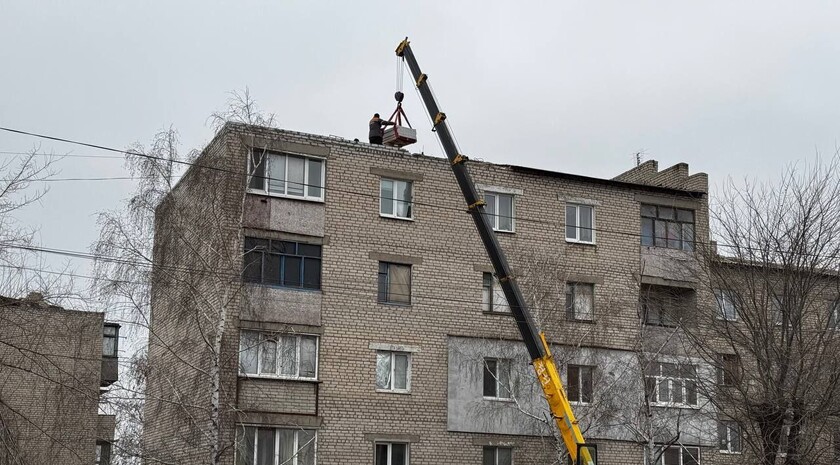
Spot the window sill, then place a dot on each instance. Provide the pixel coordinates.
(728, 452)
(284, 196)
(575, 320)
(288, 288)
(491, 312)
(394, 391)
(580, 404)
(393, 217)
(498, 399)
(279, 378)
(679, 406)
(572, 241)
(505, 231)
(394, 304)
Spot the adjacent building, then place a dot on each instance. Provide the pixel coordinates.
(321, 300)
(54, 363)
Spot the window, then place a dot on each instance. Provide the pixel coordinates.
(492, 297)
(777, 310)
(496, 378)
(393, 371)
(677, 455)
(394, 283)
(287, 356)
(497, 456)
(580, 223)
(500, 211)
(729, 437)
(286, 175)
(275, 446)
(580, 298)
(103, 453)
(282, 263)
(671, 384)
(391, 453)
(395, 198)
(729, 370)
(664, 305)
(726, 301)
(579, 383)
(110, 339)
(834, 314)
(667, 227)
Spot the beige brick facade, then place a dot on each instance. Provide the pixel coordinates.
(50, 377)
(446, 258)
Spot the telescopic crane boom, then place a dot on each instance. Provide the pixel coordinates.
(535, 341)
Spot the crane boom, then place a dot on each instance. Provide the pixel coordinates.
(535, 341)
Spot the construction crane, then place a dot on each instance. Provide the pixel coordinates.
(535, 341)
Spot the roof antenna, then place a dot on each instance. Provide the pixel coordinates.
(640, 155)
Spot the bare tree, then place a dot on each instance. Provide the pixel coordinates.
(181, 255)
(772, 337)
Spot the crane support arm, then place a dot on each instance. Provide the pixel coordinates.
(535, 341)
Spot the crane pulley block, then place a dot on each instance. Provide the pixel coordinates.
(399, 135)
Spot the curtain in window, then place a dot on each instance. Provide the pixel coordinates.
(403, 199)
(399, 283)
(268, 356)
(400, 371)
(308, 356)
(383, 370)
(288, 355)
(277, 174)
(265, 446)
(306, 447)
(248, 351)
(287, 445)
(295, 175)
(585, 223)
(583, 301)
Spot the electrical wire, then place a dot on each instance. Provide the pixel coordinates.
(518, 218)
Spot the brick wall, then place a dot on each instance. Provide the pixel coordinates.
(50, 361)
(447, 261)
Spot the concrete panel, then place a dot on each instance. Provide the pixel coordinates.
(296, 216)
(257, 213)
(281, 305)
(617, 387)
(669, 264)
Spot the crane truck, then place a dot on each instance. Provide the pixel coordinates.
(535, 341)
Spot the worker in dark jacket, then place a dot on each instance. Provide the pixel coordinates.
(376, 132)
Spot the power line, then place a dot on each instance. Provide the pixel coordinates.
(553, 224)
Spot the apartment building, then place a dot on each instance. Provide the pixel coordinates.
(321, 300)
(54, 363)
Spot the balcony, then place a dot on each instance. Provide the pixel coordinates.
(110, 359)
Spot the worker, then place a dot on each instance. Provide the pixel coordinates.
(376, 132)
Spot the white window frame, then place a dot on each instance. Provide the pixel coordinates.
(834, 314)
(577, 239)
(494, 218)
(661, 448)
(277, 443)
(496, 453)
(728, 426)
(659, 378)
(724, 297)
(580, 383)
(393, 354)
(489, 303)
(390, 450)
(394, 200)
(506, 362)
(305, 196)
(276, 337)
(574, 310)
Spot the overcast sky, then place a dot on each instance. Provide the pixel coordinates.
(732, 88)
